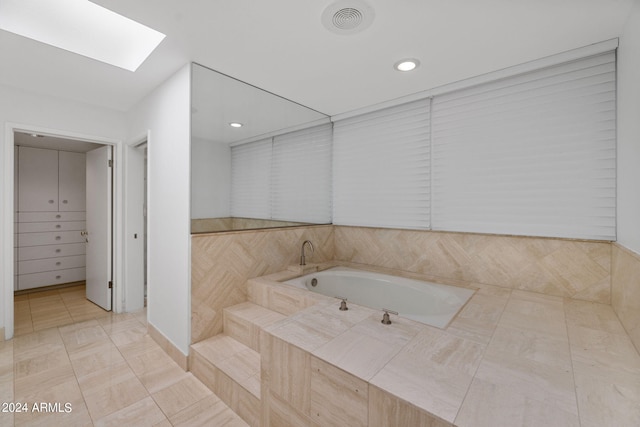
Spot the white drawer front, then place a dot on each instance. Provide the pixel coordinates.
(35, 227)
(50, 251)
(36, 280)
(49, 238)
(50, 264)
(50, 216)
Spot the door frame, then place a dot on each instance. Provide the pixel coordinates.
(132, 289)
(7, 214)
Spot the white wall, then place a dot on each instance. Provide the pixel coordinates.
(210, 179)
(165, 113)
(42, 113)
(629, 133)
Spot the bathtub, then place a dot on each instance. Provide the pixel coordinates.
(430, 303)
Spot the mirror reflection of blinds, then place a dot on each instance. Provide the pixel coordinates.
(287, 177)
(250, 180)
(381, 168)
(533, 154)
(301, 176)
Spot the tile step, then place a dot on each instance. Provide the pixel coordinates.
(244, 321)
(232, 371)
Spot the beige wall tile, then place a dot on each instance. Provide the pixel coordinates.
(558, 267)
(281, 414)
(606, 366)
(211, 411)
(337, 398)
(246, 405)
(607, 396)
(289, 374)
(625, 285)
(387, 410)
(222, 263)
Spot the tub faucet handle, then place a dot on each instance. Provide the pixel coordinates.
(385, 317)
(343, 304)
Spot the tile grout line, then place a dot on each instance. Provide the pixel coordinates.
(573, 371)
(75, 375)
(484, 352)
(136, 375)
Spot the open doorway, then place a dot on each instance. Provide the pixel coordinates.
(63, 230)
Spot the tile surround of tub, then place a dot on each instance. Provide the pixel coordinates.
(511, 357)
(222, 263)
(625, 289)
(566, 268)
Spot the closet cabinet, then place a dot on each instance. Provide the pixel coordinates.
(50, 217)
(37, 180)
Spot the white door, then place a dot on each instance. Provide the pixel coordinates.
(135, 228)
(98, 232)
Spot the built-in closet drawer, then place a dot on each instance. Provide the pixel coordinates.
(50, 264)
(35, 227)
(50, 238)
(50, 216)
(50, 251)
(35, 280)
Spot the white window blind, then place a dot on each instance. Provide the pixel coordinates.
(381, 168)
(250, 180)
(529, 155)
(301, 175)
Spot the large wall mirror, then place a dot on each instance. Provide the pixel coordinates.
(257, 160)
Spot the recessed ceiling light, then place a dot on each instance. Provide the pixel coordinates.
(235, 124)
(81, 27)
(408, 64)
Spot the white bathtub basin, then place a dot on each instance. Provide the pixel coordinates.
(430, 303)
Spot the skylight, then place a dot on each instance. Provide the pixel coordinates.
(81, 27)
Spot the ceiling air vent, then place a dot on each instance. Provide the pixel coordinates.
(347, 16)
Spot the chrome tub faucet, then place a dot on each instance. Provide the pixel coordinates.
(302, 257)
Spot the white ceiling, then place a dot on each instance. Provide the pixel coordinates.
(281, 46)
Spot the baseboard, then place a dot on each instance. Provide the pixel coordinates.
(168, 347)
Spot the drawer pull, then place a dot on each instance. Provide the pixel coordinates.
(58, 277)
(58, 251)
(58, 216)
(65, 202)
(58, 226)
(51, 201)
(58, 263)
(58, 237)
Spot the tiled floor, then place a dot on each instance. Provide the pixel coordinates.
(103, 371)
(41, 310)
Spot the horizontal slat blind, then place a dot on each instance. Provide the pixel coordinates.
(529, 155)
(301, 175)
(381, 168)
(250, 180)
